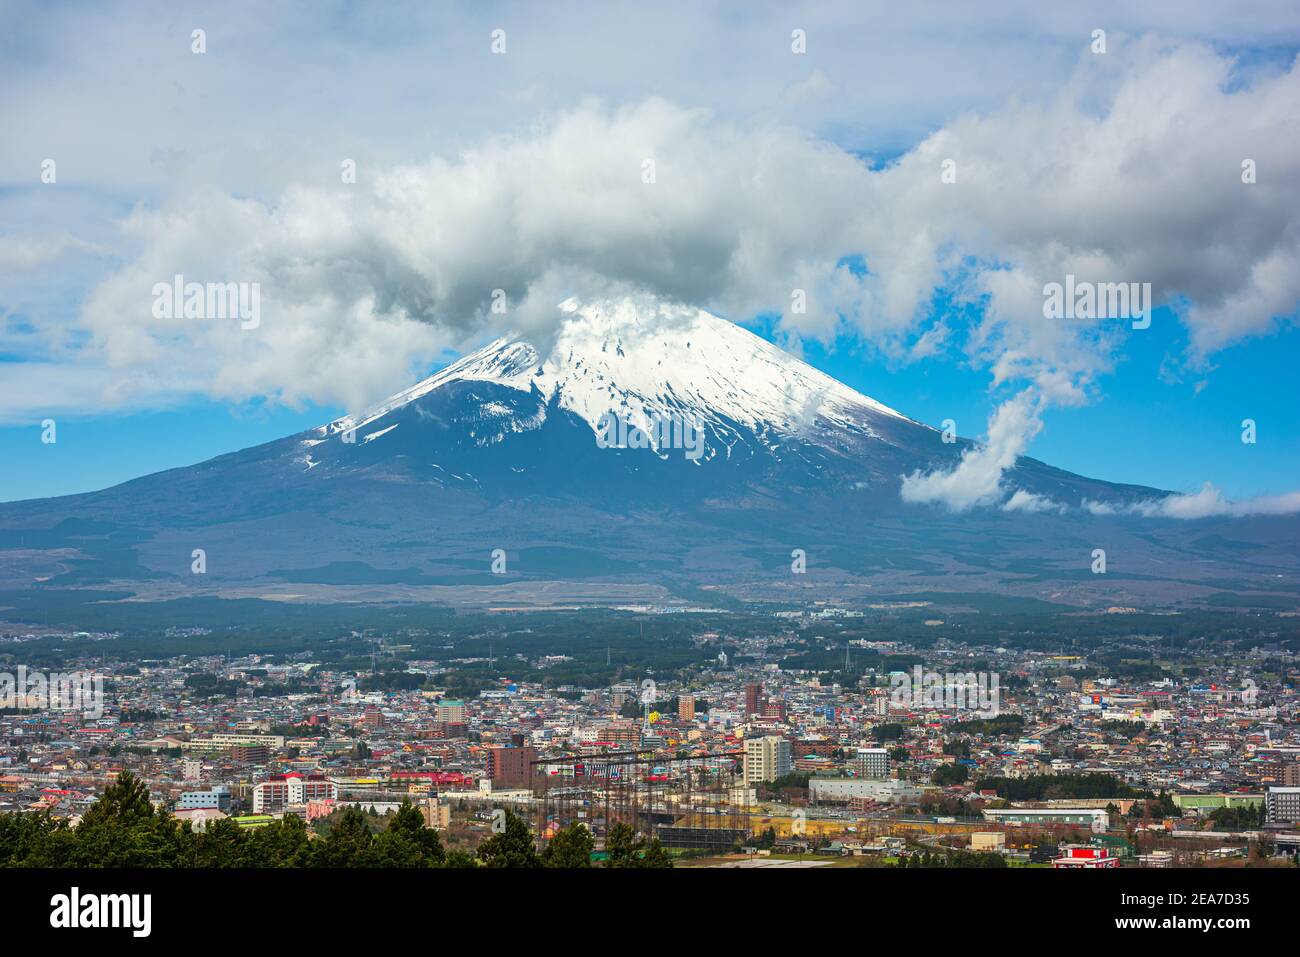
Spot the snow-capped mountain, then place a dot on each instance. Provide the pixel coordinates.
(506, 453)
(642, 359)
(644, 362)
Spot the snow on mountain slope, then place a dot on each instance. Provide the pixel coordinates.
(641, 359)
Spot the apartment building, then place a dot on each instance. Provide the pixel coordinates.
(767, 759)
(283, 790)
(510, 767)
(871, 763)
(1282, 805)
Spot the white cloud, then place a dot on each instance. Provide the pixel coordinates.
(113, 91)
(62, 389)
(34, 252)
(977, 478)
(1141, 183)
(1022, 501)
(1207, 503)
(362, 284)
(1144, 186)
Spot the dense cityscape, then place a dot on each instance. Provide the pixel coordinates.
(789, 740)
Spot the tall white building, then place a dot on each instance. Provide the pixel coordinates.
(767, 759)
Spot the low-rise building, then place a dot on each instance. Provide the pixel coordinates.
(281, 790)
(1097, 819)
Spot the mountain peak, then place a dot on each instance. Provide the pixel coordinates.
(641, 357)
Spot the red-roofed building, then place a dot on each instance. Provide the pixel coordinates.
(1086, 857)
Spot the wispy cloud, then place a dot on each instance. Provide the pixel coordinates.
(1207, 503)
(1023, 501)
(977, 478)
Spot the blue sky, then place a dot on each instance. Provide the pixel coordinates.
(775, 170)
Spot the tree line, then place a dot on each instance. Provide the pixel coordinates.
(124, 829)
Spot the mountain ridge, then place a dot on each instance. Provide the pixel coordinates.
(497, 454)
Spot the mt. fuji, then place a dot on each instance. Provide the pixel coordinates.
(487, 483)
(663, 360)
